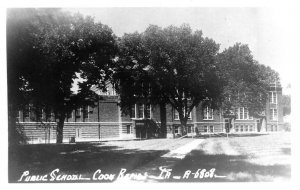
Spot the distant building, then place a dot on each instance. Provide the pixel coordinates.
(106, 122)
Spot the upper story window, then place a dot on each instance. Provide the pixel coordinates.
(26, 111)
(70, 115)
(147, 112)
(242, 113)
(85, 113)
(77, 113)
(273, 114)
(39, 114)
(48, 114)
(208, 114)
(141, 111)
(273, 97)
(176, 115)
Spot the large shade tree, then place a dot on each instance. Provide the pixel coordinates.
(172, 65)
(245, 82)
(46, 50)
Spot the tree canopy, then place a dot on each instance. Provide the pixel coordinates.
(245, 82)
(47, 48)
(173, 64)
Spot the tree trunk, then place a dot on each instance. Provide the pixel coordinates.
(163, 120)
(183, 127)
(59, 129)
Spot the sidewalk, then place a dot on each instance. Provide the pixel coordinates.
(167, 160)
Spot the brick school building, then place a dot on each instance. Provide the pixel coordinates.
(106, 122)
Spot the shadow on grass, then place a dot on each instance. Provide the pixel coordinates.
(82, 159)
(236, 168)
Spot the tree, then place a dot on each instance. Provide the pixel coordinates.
(173, 66)
(61, 46)
(245, 82)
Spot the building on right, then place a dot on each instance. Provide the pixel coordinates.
(204, 120)
(274, 109)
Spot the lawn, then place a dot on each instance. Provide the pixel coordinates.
(86, 158)
(249, 158)
(237, 158)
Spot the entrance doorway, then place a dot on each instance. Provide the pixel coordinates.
(227, 125)
(258, 124)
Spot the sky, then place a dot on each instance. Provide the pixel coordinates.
(263, 29)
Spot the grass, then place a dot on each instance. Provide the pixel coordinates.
(252, 158)
(86, 158)
(239, 158)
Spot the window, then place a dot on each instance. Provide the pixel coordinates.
(85, 113)
(205, 128)
(140, 111)
(147, 111)
(250, 128)
(48, 114)
(242, 114)
(190, 116)
(70, 115)
(132, 112)
(273, 114)
(128, 129)
(275, 128)
(245, 113)
(176, 131)
(78, 132)
(241, 128)
(26, 112)
(78, 112)
(246, 128)
(189, 129)
(236, 128)
(273, 97)
(176, 115)
(39, 114)
(211, 129)
(208, 114)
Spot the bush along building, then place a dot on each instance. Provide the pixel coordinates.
(105, 121)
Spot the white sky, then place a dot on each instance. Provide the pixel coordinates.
(263, 29)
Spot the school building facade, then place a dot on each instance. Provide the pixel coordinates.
(105, 121)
